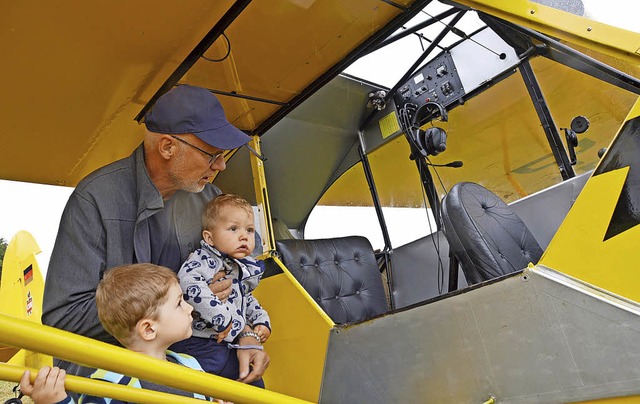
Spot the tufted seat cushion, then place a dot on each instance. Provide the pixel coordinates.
(485, 234)
(341, 274)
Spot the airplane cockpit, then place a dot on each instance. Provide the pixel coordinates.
(446, 192)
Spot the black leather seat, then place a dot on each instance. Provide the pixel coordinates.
(485, 234)
(341, 274)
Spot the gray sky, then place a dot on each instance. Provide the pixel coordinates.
(34, 208)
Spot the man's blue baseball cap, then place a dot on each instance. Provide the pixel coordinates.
(189, 109)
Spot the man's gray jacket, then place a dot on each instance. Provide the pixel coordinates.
(104, 225)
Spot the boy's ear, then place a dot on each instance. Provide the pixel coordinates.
(207, 237)
(146, 329)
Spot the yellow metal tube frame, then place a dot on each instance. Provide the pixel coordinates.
(97, 354)
(262, 197)
(100, 388)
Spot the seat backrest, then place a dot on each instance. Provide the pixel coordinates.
(280, 230)
(341, 274)
(485, 234)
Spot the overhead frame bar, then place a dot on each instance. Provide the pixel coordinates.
(246, 97)
(393, 3)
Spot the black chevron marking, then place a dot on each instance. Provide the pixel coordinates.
(625, 152)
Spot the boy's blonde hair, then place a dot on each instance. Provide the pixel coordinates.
(213, 208)
(129, 293)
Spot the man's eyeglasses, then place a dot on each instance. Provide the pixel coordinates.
(213, 157)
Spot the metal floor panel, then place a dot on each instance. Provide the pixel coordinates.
(534, 337)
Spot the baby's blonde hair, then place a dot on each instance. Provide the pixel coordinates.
(213, 208)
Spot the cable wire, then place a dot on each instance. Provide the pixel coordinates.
(408, 124)
(225, 56)
(435, 240)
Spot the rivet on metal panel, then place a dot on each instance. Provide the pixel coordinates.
(525, 278)
(589, 29)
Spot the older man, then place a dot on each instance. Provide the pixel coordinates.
(143, 208)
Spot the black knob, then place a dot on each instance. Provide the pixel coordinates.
(579, 124)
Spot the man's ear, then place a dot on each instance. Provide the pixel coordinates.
(207, 237)
(166, 146)
(146, 329)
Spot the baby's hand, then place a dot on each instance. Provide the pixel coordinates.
(222, 335)
(48, 387)
(262, 331)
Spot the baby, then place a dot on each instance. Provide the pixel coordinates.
(219, 326)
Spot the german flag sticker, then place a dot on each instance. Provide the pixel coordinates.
(28, 275)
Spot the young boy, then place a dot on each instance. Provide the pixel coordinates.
(142, 306)
(218, 326)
